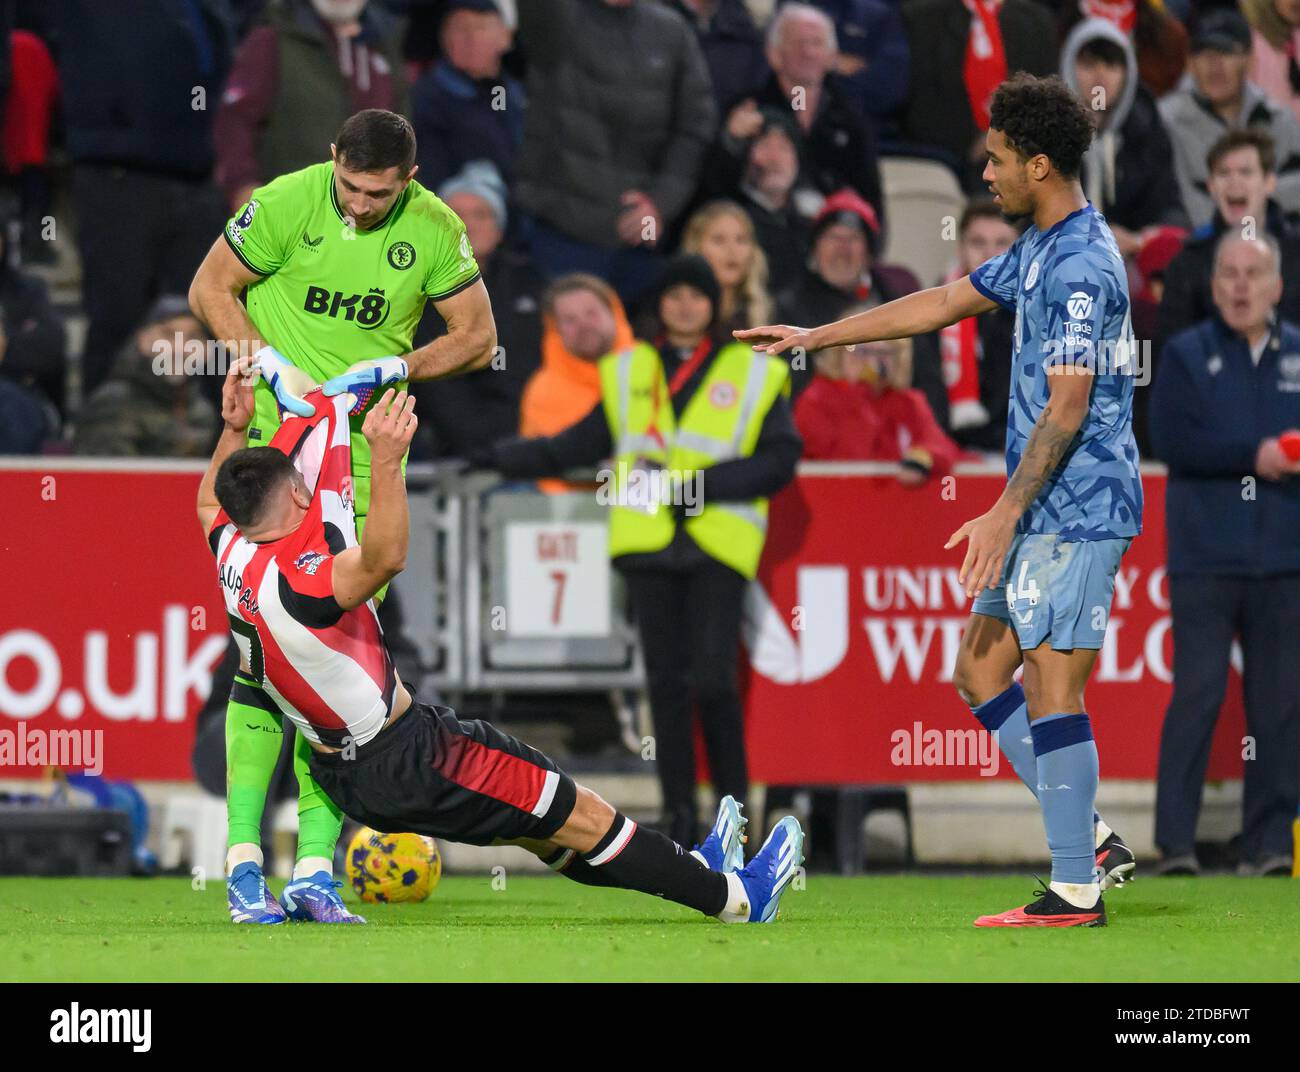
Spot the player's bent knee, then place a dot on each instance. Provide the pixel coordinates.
(587, 823)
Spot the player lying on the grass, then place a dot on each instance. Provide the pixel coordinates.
(1042, 562)
(280, 523)
(338, 262)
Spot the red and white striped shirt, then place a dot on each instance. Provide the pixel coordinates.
(327, 668)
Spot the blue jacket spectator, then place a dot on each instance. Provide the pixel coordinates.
(465, 107)
(1211, 409)
(731, 43)
(874, 59)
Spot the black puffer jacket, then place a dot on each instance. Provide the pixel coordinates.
(621, 100)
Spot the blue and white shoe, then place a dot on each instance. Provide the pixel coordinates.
(723, 849)
(315, 899)
(770, 872)
(249, 900)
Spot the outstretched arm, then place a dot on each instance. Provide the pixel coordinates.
(236, 411)
(913, 314)
(359, 572)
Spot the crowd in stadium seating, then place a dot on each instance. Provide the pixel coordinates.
(585, 142)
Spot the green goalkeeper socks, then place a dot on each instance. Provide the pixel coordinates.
(319, 818)
(254, 733)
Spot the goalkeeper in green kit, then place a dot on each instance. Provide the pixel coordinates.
(338, 260)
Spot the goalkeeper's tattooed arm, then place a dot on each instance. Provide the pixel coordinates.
(359, 572)
(236, 412)
(470, 341)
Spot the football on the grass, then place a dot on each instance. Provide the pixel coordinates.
(386, 868)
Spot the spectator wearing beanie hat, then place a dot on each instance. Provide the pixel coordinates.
(687, 580)
(842, 272)
(483, 406)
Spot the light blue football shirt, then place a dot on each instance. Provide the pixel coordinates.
(1069, 290)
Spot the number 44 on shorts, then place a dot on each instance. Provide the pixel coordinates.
(1022, 588)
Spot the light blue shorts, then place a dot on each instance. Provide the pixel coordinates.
(1057, 590)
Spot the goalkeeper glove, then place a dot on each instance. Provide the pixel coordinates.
(288, 382)
(364, 378)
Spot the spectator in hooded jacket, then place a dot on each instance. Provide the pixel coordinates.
(465, 107)
(142, 154)
(961, 53)
(612, 150)
(1128, 173)
(860, 407)
(1218, 98)
(483, 406)
(1159, 38)
(305, 68)
(837, 147)
(1227, 389)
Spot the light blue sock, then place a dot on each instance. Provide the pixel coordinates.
(1067, 788)
(1007, 715)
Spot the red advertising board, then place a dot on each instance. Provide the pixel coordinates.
(111, 618)
(111, 621)
(853, 639)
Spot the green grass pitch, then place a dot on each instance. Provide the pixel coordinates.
(914, 927)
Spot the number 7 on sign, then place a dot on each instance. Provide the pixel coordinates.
(559, 577)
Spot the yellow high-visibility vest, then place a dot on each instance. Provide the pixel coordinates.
(722, 421)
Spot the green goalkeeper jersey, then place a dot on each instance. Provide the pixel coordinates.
(329, 295)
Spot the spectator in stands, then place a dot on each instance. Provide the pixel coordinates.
(306, 67)
(150, 407)
(465, 107)
(141, 148)
(36, 346)
(961, 53)
(28, 109)
(769, 188)
(483, 406)
(873, 58)
(1219, 99)
(687, 566)
(1159, 39)
(723, 234)
(843, 272)
(837, 148)
(1128, 173)
(976, 352)
(731, 44)
(583, 320)
(26, 419)
(860, 406)
(1228, 387)
(1243, 178)
(1275, 27)
(612, 152)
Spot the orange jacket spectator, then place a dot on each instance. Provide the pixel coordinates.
(582, 321)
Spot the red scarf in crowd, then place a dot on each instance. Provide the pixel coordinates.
(959, 353)
(1123, 13)
(986, 61)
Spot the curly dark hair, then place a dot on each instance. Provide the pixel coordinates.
(1042, 115)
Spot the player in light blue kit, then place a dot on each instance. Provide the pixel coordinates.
(1041, 563)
